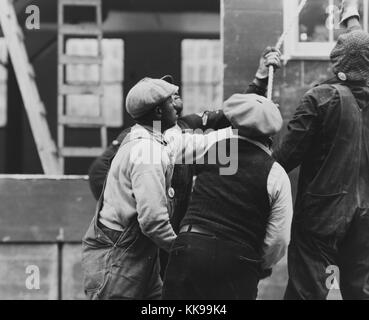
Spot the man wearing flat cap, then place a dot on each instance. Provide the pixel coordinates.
(328, 136)
(183, 174)
(237, 226)
(120, 248)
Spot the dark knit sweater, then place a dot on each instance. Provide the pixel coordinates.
(236, 207)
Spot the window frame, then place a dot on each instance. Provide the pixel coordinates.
(207, 106)
(105, 83)
(296, 50)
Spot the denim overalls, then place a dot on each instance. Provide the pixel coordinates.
(122, 265)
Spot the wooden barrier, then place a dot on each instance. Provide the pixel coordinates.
(44, 209)
(42, 222)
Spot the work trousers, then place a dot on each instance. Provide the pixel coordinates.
(204, 267)
(120, 265)
(317, 264)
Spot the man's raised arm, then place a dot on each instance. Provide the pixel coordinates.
(216, 119)
(349, 15)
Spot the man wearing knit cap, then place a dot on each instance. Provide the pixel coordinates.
(328, 136)
(237, 226)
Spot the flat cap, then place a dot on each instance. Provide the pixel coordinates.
(147, 94)
(253, 115)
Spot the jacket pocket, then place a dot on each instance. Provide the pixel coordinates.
(324, 215)
(95, 268)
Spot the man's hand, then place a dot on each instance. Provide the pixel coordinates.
(270, 57)
(349, 10)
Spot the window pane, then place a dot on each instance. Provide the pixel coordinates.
(83, 105)
(3, 83)
(202, 72)
(113, 77)
(314, 20)
(113, 51)
(319, 21)
(113, 104)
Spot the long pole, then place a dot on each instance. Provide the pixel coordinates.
(279, 45)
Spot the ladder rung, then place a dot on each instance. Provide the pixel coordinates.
(81, 152)
(89, 3)
(65, 59)
(73, 121)
(81, 90)
(80, 29)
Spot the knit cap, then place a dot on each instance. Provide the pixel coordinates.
(350, 57)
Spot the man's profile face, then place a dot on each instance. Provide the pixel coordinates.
(178, 104)
(171, 110)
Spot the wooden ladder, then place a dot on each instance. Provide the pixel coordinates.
(14, 39)
(64, 89)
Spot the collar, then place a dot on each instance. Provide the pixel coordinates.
(336, 80)
(141, 131)
(258, 144)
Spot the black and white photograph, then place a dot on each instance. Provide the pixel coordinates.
(174, 151)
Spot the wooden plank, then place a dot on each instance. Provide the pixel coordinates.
(89, 3)
(17, 260)
(81, 89)
(80, 29)
(72, 273)
(30, 95)
(77, 152)
(43, 209)
(61, 75)
(187, 24)
(65, 59)
(72, 121)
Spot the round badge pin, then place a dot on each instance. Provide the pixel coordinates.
(171, 193)
(342, 76)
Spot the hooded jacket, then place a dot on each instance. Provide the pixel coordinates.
(329, 137)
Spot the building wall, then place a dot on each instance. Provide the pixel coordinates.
(29, 230)
(147, 53)
(43, 220)
(249, 27)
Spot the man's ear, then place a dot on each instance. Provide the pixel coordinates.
(158, 112)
